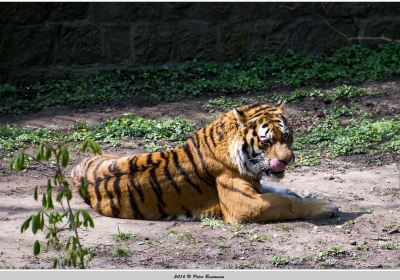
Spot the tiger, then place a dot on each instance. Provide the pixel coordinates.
(216, 173)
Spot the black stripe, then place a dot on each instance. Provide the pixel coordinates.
(232, 189)
(86, 165)
(118, 174)
(110, 194)
(169, 177)
(156, 187)
(132, 165)
(253, 154)
(137, 187)
(87, 168)
(212, 136)
(118, 193)
(220, 135)
(133, 169)
(136, 212)
(191, 159)
(97, 183)
(245, 148)
(149, 161)
(205, 138)
(183, 173)
(162, 154)
(162, 212)
(196, 143)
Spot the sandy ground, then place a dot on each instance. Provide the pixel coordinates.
(368, 199)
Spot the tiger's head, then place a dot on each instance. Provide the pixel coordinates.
(262, 144)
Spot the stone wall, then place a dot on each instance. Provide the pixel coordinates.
(59, 39)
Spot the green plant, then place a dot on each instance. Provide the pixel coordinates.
(182, 235)
(389, 245)
(130, 125)
(278, 261)
(257, 238)
(222, 245)
(237, 230)
(224, 102)
(334, 251)
(350, 64)
(346, 92)
(363, 247)
(285, 227)
(152, 147)
(121, 252)
(212, 223)
(51, 221)
(8, 91)
(124, 236)
(112, 131)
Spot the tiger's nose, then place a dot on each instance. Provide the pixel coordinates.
(285, 155)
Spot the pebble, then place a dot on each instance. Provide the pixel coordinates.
(353, 242)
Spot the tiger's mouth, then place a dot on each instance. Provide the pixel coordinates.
(276, 169)
(277, 175)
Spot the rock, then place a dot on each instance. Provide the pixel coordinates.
(79, 45)
(153, 43)
(116, 44)
(15, 51)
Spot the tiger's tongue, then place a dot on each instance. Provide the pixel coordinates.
(277, 165)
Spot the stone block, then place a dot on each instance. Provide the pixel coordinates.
(23, 13)
(116, 44)
(79, 45)
(126, 12)
(68, 11)
(177, 11)
(196, 40)
(233, 40)
(213, 11)
(26, 46)
(153, 43)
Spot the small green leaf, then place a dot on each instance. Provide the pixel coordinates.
(25, 225)
(95, 148)
(84, 190)
(87, 219)
(18, 163)
(45, 205)
(36, 248)
(35, 193)
(35, 223)
(47, 153)
(64, 157)
(85, 145)
(40, 154)
(68, 244)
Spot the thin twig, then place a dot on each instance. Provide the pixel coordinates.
(372, 38)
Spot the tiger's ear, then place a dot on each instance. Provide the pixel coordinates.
(281, 106)
(239, 116)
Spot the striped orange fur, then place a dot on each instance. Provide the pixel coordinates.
(215, 173)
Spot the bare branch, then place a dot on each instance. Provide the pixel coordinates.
(382, 38)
